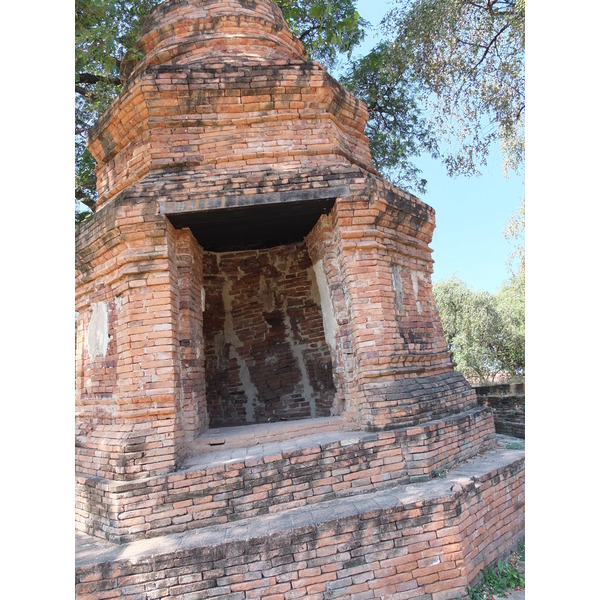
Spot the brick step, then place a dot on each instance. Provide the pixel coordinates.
(424, 541)
(222, 486)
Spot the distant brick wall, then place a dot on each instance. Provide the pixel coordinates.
(507, 401)
(266, 356)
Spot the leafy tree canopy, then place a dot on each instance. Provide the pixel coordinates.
(468, 57)
(396, 128)
(327, 28)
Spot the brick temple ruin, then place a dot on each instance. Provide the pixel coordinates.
(264, 394)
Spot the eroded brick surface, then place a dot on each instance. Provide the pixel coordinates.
(266, 355)
(425, 544)
(327, 311)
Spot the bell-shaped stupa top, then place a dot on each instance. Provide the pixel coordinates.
(217, 31)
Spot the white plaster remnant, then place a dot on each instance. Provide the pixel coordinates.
(97, 333)
(398, 287)
(203, 298)
(330, 325)
(415, 283)
(415, 276)
(321, 294)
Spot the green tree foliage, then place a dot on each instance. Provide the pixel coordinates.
(327, 28)
(396, 128)
(485, 332)
(511, 297)
(468, 57)
(510, 304)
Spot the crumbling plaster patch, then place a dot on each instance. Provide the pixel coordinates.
(97, 333)
(415, 276)
(398, 287)
(322, 297)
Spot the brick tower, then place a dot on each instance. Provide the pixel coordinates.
(258, 345)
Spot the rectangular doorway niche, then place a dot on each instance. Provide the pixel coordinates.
(266, 355)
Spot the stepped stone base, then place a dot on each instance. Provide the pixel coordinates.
(240, 482)
(425, 541)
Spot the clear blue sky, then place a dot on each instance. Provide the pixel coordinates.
(471, 213)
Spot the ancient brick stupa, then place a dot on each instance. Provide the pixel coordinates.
(264, 391)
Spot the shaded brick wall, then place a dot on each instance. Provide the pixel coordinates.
(193, 417)
(266, 355)
(507, 401)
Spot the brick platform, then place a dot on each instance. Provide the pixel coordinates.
(423, 541)
(221, 486)
(263, 388)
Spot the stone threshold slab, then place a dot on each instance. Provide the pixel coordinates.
(221, 439)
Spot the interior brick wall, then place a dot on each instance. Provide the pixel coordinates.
(266, 355)
(192, 418)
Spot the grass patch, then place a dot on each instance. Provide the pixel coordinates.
(500, 578)
(515, 446)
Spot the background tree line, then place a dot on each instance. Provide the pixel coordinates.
(486, 332)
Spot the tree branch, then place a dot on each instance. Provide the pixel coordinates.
(489, 46)
(93, 79)
(521, 109)
(85, 92)
(307, 32)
